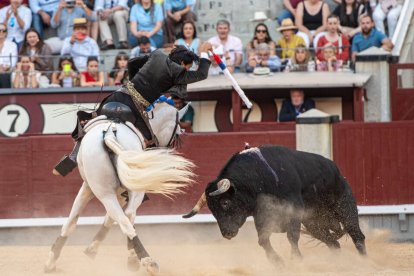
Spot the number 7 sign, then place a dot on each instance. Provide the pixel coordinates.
(14, 120)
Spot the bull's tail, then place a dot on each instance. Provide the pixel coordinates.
(160, 171)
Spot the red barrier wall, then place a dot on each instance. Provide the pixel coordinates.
(378, 160)
(28, 189)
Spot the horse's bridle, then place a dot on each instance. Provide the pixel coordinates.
(177, 122)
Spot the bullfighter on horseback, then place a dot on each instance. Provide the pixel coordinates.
(150, 77)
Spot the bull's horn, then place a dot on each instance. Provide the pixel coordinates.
(200, 203)
(222, 187)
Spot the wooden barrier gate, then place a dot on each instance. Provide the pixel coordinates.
(402, 98)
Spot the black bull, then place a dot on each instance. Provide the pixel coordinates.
(282, 189)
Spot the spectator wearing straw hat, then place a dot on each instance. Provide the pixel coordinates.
(80, 46)
(289, 41)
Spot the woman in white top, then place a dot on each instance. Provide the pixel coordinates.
(8, 57)
(25, 75)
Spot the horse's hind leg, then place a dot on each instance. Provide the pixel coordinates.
(84, 196)
(93, 247)
(135, 200)
(116, 213)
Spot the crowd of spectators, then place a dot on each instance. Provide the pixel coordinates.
(313, 37)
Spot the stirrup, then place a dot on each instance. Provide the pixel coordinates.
(65, 166)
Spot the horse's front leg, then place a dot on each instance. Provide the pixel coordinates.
(93, 247)
(135, 200)
(82, 199)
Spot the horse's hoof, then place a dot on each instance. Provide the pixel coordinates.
(133, 263)
(49, 268)
(151, 266)
(90, 252)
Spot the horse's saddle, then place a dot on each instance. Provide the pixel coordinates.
(118, 112)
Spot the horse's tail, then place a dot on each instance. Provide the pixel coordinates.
(160, 171)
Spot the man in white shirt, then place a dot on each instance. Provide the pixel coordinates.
(80, 46)
(233, 47)
(112, 11)
(18, 19)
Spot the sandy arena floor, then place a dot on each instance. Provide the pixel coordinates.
(240, 256)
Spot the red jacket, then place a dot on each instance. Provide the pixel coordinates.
(341, 53)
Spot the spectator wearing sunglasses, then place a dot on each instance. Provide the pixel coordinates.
(261, 35)
(8, 57)
(18, 19)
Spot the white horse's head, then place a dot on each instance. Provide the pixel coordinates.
(164, 120)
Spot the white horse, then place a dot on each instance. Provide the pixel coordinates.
(129, 167)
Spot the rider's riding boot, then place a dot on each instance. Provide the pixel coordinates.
(68, 163)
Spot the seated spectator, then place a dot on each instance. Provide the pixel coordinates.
(295, 105)
(119, 73)
(80, 46)
(263, 58)
(330, 62)
(289, 40)
(301, 60)
(348, 12)
(39, 52)
(177, 12)
(62, 20)
(261, 35)
(144, 47)
(186, 121)
(18, 19)
(112, 11)
(390, 10)
(369, 37)
(189, 37)
(332, 36)
(68, 75)
(311, 18)
(231, 45)
(8, 57)
(289, 11)
(25, 75)
(42, 12)
(92, 76)
(146, 20)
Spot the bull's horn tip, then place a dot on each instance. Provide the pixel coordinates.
(189, 215)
